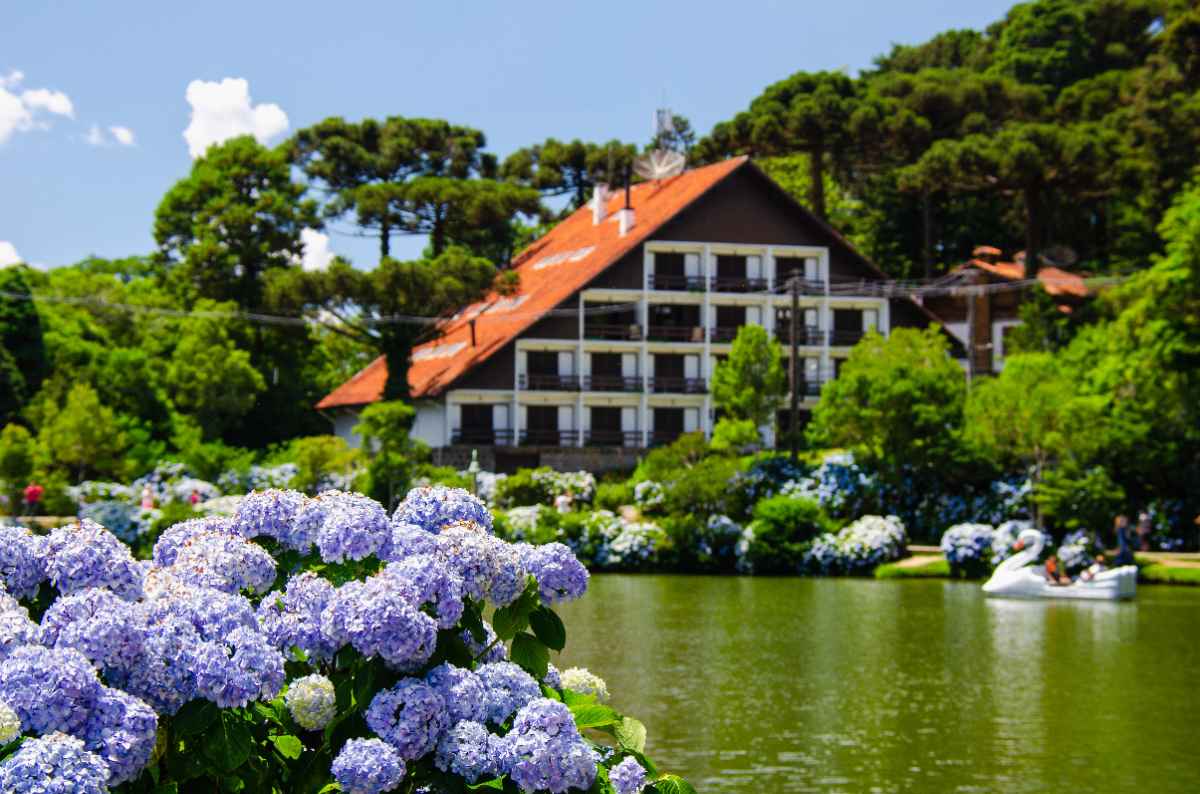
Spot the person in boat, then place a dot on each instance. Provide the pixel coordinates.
(1121, 529)
(1054, 571)
(1093, 569)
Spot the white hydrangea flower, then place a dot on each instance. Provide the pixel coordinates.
(312, 702)
(579, 679)
(10, 724)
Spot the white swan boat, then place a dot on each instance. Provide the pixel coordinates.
(1020, 577)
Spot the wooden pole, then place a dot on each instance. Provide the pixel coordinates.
(794, 416)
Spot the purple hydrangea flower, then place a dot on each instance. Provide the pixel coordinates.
(22, 566)
(545, 751)
(628, 777)
(292, 618)
(88, 555)
(467, 750)
(52, 689)
(434, 584)
(223, 562)
(470, 552)
(355, 527)
(553, 677)
(122, 730)
(238, 669)
(409, 540)
(164, 675)
(55, 764)
(271, 513)
(506, 689)
(379, 617)
(461, 690)
(16, 629)
(367, 766)
(434, 507)
(509, 575)
(106, 629)
(173, 537)
(560, 576)
(410, 716)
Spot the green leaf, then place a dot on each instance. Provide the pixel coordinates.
(167, 788)
(549, 628)
(673, 784)
(631, 734)
(574, 699)
(530, 654)
(507, 621)
(496, 783)
(194, 717)
(233, 784)
(594, 716)
(288, 746)
(332, 787)
(228, 744)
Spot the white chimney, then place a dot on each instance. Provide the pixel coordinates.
(600, 197)
(625, 219)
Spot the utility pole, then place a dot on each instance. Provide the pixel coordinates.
(794, 414)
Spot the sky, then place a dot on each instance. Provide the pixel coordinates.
(103, 105)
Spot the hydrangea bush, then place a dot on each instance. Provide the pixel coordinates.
(303, 644)
(857, 548)
(968, 548)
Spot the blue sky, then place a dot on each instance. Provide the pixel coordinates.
(93, 96)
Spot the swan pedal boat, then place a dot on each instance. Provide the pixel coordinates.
(1014, 578)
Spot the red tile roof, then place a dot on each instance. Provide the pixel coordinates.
(1055, 281)
(551, 270)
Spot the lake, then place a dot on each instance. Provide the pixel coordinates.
(782, 685)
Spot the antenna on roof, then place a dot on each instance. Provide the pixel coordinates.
(661, 162)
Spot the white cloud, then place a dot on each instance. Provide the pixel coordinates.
(20, 112)
(223, 110)
(55, 102)
(8, 254)
(122, 135)
(317, 254)
(95, 137)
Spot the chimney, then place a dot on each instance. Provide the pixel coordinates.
(625, 216)
(599, 203)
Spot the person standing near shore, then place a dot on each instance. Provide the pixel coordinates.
(33, 497)
(1121, 529)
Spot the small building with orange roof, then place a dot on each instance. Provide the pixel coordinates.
(623, 311)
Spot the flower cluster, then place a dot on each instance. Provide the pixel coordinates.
(580, 484)
(649, 495)
(1077, 551)
(433, 508)
(968, 547)
(857, 548)
(312, 702)
(579, 679)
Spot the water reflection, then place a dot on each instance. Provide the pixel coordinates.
(819, 685)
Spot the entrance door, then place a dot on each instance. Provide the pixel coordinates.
(542, 425)
(606, 426)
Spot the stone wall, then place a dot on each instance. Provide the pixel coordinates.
(597, 460)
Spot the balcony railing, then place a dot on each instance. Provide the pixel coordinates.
(538, 437)
(612, 383)
(658, 438)
(737, 284)
(613, 438)
(675, 333)
(675, 385)
(613, 332)
(809, 335)
(540, 382)
(807, 286)
(722, 334)
(483, 436)
(666, 281)
(846, 338)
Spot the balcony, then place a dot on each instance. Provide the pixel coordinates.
(846, 338)
(676, 385)
(547, 437)
(660, 438)
(807, 286)
(723, 335)
(621, 383)
(539, 382)
(675, 333)
(613, 332)
(481, 436)
(666, 281)
(737, 284)
(613, 438)
(809, 335)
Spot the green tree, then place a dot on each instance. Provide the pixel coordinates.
(208, 376)
(392, 454)
(319, 458)
(561, 168)
(235, 217)
(361, 301)
(897, 403)
(83, 436)
(16, 462)
(22, 351)
(751, 383)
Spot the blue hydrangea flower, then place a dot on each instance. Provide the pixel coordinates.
(224, 562)
(52, 689)
(108, 630)
(16, 629)
(122, 730)
(509, 576)
(506, 689)
(311, 701)
(88, 555)
(461, 690)
(470, 552)
(553, 677)
(292, 619)
(174, 537)
(410, 716)
(408, 540)
(467, 750)
(434, 507)
(559, 575)
(355, 527)
(55, 764)
(379, 617)
(628, 777)
(238, 669)
(545, 751)
(434, 584)
(164, 676)
(492, 650)
(367, 766)
(22, 565)
(271, 513)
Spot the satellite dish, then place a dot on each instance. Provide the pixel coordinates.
(659, 164)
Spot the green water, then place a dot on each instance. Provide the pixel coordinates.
(780, 685)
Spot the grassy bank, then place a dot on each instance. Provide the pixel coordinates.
(1159, 573)
(915, 568)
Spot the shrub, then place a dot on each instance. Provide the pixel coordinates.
(323, 463)
(735, 436)
(782, 526)
(614, 495)
(664, 463)
(858, 548)
(703, 488)
(649, 495)
(968, 549)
